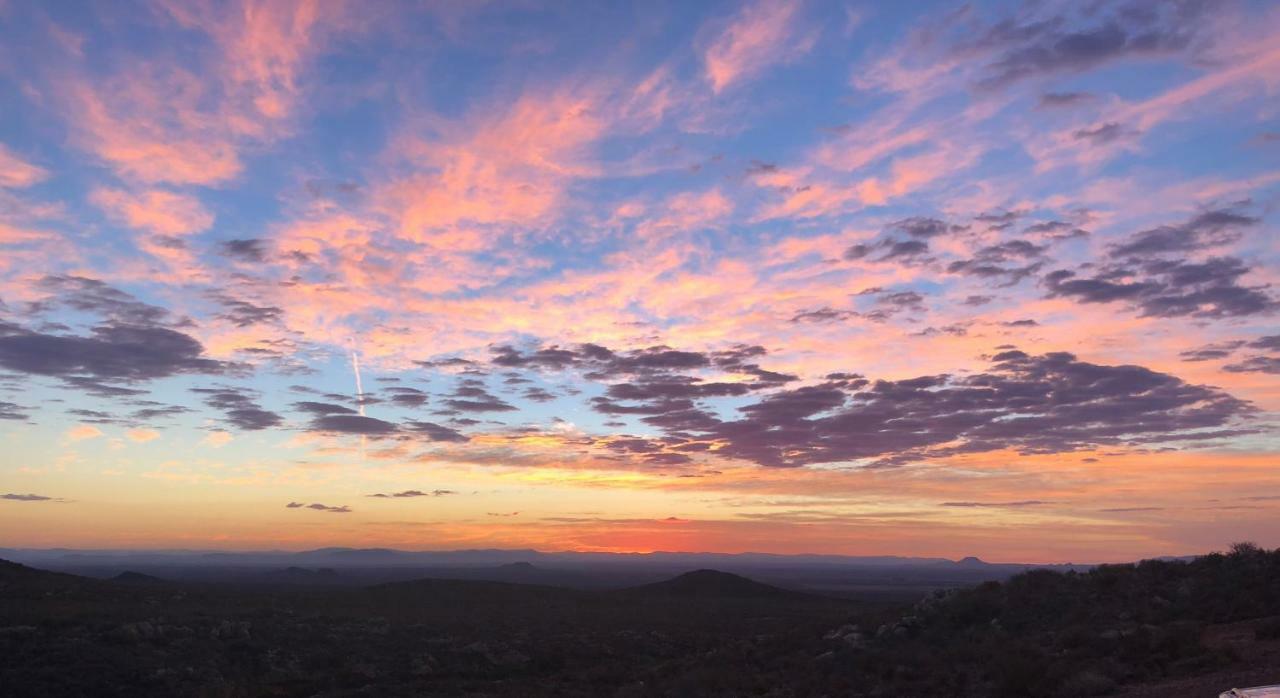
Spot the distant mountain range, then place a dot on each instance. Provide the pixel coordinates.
(838, 575)
(358, 557)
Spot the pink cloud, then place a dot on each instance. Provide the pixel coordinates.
(155, 210)
(508, 168)
(157, 121)
(760, 35)
(17, 173)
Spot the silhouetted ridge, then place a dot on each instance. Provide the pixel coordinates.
(714, 584)
(301, 575)
(131, 577)
(15, 577)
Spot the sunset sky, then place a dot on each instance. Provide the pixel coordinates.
(779, 276)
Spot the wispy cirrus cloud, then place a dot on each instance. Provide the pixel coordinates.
(761, 34)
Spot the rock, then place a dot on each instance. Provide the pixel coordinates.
(840, 632)
(15, 630)
(231, 630)
(424, 665)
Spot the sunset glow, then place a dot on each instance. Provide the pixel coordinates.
(777, 276)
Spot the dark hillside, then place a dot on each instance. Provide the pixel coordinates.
(1155, 628)
(714, 584)
(130, 577)
(1076, 634)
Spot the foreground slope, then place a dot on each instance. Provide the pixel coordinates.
(430, 636)
(1156, 628)
(1047, 634)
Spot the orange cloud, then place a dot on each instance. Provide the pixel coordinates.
(142, 436)
(80, 432)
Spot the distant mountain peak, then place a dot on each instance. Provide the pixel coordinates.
(714, 583)
(971, 561)
(131, 577)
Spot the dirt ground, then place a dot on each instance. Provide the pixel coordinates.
(1259, 666)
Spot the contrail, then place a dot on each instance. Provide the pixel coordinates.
(355, 366)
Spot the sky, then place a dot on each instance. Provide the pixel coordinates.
(784, 276)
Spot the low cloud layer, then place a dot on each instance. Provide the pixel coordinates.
(13, 497)
(411, 494)
(319, 507)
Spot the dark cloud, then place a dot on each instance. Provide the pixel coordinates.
(322, 408)
(654, 381)
(904, 251)
(1255, 364)
(921, 227)
(155, 410)
(352, 424)
(1028, 46)
(319, 507)
(857, 251)
(601, 362)
(997, 505)
(436, 432)
(406, 397)
(246, 250)
(245, 314)
(101, 299)
(999, 220)
(1055, 231)
(94, 416)
(823, 315)
(550, 358)
(1032, 404)
(111, 353)
(9, 410)
(99, 388)
(13, 497)
(1009, 262)
(1206, 230)
(1059, 100)
(975, 301)
(1268, 343)
(886, 304)
(413, 493)
(1209, 352)
(471, 395)
(538, 395)
(1169, 288)
(240, 407)
(453, 362)
(1102, 134)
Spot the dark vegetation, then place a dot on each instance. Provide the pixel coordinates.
(1075, 634)
(1114, 630)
